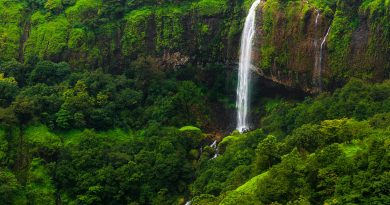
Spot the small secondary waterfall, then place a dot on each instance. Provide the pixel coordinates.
(242, 102)
(318, 15)
(215, 148)
(320, 61)
(316, 58)
(317, 74)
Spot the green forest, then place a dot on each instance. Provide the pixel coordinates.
(133, 102)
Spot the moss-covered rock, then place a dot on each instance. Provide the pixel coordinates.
(291, 35)
(92, 33)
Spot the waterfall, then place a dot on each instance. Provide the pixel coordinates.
(320, 60)
(316, 71)
(242, 102)
(215, 148)
(318, 15)
(188, 203)
(317, 74)
(315, 39)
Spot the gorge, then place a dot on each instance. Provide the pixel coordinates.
(201, 102)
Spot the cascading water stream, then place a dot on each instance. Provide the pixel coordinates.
(215, 148)
(242, 102)
(317, 74)
(320, 60)
(318, 15)
(317, 59)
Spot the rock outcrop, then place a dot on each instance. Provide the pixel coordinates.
(288, 38)
(208, 32)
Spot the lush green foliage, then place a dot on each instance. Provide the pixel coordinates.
(119, 102)
(110, 34)
(61, 99)
(357, 100)
(321, 158)
(10, 31)
(105, 168)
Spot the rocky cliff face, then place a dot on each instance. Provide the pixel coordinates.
(354, 38)
(92, 34)
(206, 31)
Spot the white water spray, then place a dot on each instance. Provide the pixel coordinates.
(215, 148)
(242, 102)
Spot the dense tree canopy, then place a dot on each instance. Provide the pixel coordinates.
(132, 102)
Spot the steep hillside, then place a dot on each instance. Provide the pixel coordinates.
(354, 37)
(111, 34)
(111, 102)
